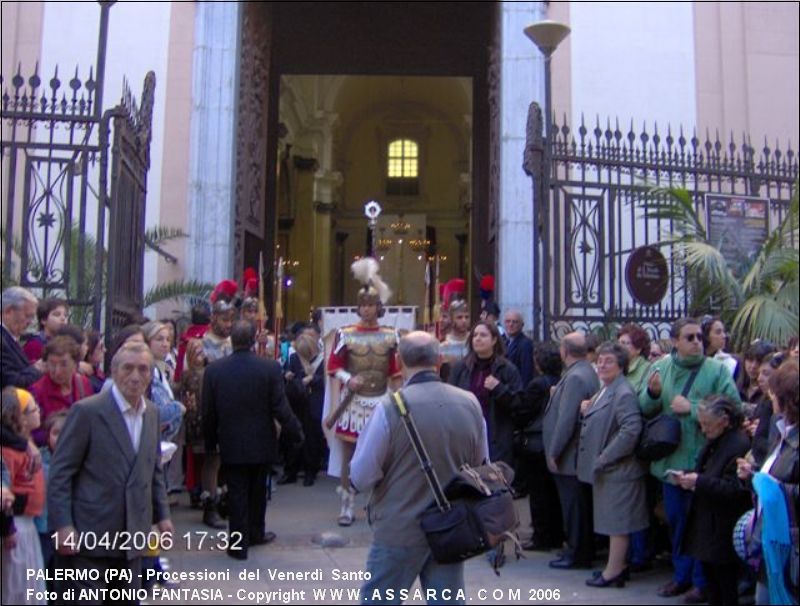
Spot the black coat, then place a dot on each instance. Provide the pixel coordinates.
(503, 399)
(519, 351)
(530, 410)
(15, 369)
(718, 501)
(243, 396)
(308, 398)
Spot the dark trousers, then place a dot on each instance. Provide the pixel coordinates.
(546, 519)
(576, 511)
(247, 503)
(79, 562)
(722, 583)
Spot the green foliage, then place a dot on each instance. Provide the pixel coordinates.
(81, 289)
(177, 289)
(757, 298)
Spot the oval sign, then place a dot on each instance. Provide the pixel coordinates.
(647, 275)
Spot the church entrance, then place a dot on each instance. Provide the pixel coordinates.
(343, 103)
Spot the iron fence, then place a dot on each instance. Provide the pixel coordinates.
(57, 213)
(595, 213)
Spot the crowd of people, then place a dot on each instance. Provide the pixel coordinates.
(202, 402)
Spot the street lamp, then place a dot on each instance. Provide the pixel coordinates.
(546, 35)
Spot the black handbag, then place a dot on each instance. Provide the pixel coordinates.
(474, 513)
(661, 435)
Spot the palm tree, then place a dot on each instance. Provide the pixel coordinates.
(154, 238)
(757, 298)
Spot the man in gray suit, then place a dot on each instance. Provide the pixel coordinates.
(106, 486)
(560, 434)
(451, 426)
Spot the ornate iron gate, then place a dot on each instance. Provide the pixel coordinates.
(593, 216)
(55, 154)
(130, 163)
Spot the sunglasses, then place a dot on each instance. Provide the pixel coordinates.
(694, 336)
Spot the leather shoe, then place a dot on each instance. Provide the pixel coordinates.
(267, 538)
(695, 596)
(534, 545)
(237, 554)
(568, 564)
(671, 589)
(287, 478)
(309, 479)
(598, 580)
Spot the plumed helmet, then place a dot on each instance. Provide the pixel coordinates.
(373, 290)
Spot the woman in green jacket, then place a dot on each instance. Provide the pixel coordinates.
(634, 338)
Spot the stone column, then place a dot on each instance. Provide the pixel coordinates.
(213, 125)
(522, 80)
(326, 188)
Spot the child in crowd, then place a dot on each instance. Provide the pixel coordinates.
(52, 429)
(21, 551)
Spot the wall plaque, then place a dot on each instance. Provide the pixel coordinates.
(647, 275)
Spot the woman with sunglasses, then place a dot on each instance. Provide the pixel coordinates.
(675, 387)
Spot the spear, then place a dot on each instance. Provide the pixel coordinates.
(426, 311)
(261, 318)
(437, 305)
(278, 305)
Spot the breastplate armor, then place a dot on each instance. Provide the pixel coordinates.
(452, 350)
(368, 357)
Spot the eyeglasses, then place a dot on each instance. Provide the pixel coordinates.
(697, 335)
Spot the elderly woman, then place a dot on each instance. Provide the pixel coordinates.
(496, 383)
(170, 411)
(719, 498)
(62, 385)
(610, 428)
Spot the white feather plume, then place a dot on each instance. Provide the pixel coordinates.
(366, 271)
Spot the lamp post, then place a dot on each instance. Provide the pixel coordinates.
(546, 35)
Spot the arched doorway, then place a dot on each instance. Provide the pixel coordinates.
(335, 84)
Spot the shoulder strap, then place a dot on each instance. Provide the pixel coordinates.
(690, 380)
(419, 448)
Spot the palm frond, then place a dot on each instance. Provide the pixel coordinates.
(764, 317)
(177, 289)
(710, 265)
(160, 234)
(676, 206)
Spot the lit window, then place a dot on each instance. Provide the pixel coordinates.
(403, 159)
(403, 168)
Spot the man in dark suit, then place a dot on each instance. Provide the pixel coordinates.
(561, 432)
(243, 395)
(106, 482)
(519, 348)
(19, 310)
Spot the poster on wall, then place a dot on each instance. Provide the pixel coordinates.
(737, 225)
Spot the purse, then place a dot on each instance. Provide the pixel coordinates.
(474, 513)
(661, 436)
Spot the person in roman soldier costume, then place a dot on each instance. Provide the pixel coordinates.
(454, 346)
(363, 364)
